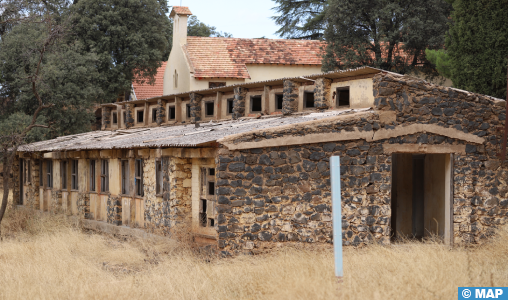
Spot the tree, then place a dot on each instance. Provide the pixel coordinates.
(477, 45)
(129, 37)
(300, 19)
(49, 81)
(198, 28)
(387, 34)
(441, 60)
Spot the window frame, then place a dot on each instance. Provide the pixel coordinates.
(260, 97)
(140, 112)
(207, 103)
(138, 178)
(104, 176)
(49, 174)
(92, 186)
(305, 94)
(232, 101)
(159, 178)
(337, 96)
(114, 118)
(74, 175)
(154, 115)
(125, 168)
(187, 111)
(207, 197)
(63, 175)
(171, 108)
(277, 102)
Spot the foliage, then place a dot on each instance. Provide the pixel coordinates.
(130, 38)
(441, 60)
(478, 46)
(300, 19)
(198, 28)
(67, 79)
(387, 34)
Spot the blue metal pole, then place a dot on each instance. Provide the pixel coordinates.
(336, 214)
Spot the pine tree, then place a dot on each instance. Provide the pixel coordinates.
(300, 19)
(478, 46)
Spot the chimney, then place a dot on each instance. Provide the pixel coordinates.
(180, 15)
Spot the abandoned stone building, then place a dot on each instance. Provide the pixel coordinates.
(247, 166)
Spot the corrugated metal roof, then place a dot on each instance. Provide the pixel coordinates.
(169, 136)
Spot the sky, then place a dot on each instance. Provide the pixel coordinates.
(241, 18)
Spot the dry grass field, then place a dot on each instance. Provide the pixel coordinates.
(44, 257)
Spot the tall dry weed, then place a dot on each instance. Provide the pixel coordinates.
(58, 261)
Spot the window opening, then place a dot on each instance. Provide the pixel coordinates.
(63, 173)
(188, 111)
(172, 113)
(140, 115)
(154, 115)
(124, 118)
(212, 85)
(74, 174)
(255, 103)
(49, 173)
(92, 176)
(207, 204)
(209, 109)
(309, 99)
(125, 177)
(278, 101)
(104, 176)
(230, 106)
(158, 177)
(115, 118)
(342, 97)
(138, 177)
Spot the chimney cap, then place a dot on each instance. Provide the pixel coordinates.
(180, 10)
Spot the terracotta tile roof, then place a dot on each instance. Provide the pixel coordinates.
(145, 91)
(180, 10)
(227, 57)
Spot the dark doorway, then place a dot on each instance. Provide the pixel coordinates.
(421, 196)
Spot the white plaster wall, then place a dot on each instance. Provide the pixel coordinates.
(361, 92)
(261, 72)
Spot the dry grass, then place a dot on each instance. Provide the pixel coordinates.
(49, 258)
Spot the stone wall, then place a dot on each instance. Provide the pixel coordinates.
(239, 102)
(290, 97)
(161, 112)
(480, 182)
(195, 107)
(129, 115)
(114, 210)
(156, 216)
(83, 204)
(180, 182)
(322, 92)
(15, 181)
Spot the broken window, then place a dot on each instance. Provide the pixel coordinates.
(125, 177)
(63, 174)
(138, 177)
(154, 115)
(188, 111)
(230, 106)
(308, 99)
(74, 174)
(158, 177)
(342, 97)
(49, 173)
(104, 176)
(171, 113)
(140, 116)
(92, 176)
(278, 101)
(114, 119)
(207, 203)
(212, 85)
(209, 109)
(255, 103)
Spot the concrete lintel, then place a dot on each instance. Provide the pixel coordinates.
(190, 152)
(424, 148)
(144, 152)
(383, 134)
(307, 139)
(48, 155)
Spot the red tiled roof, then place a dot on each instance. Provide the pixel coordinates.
(180, 10)
(145, 91)
(227, 57)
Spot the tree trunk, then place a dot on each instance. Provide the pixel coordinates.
(7, 169)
